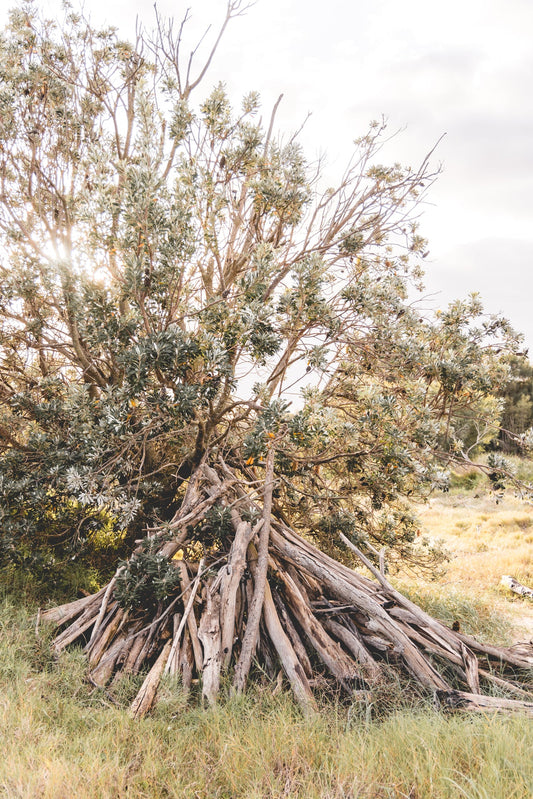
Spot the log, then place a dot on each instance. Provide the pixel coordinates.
(291, 665)
(129, 665)
(293, 634)
(460, 700)
(76, 629)
(210, 636)
(249, 641)
(103, 672)
(516, 587)
(145, 699)
(98, 647)
(191, 618)
(186, 663)
(67, 612)
(329, 651)
(103, 607)
(371, 671)
(198, 656)
(471, 669)
(172, 666)
(230, 586)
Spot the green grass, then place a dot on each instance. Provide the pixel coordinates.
(476, 616)
(62, 739)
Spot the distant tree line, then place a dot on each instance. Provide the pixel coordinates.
(517, 416)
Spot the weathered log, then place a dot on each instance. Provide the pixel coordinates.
(230, 586)
(516, 587)
(329, 651)
(103, 672)
(103, 608)
(260, 577)
(65, 613)
(77, 628)
(210, 635)
(186, 663)
(172, 665)
(144, 700)
(291, 665)
(191, 618)
(293, 634)
(370, 670)
(187, 611)
(136, 645)
(460, 700)
(108, 631)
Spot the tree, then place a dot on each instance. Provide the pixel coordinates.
(517, 395)
(172, 272)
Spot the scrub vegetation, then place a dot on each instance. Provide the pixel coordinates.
(219, 408)
(63, 737)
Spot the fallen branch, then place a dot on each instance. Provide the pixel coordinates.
(516, 587)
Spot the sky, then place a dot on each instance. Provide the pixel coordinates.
(461, 70)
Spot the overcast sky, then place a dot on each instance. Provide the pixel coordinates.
(463, 68)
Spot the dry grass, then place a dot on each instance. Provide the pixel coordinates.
(486, 537)
(62, 739)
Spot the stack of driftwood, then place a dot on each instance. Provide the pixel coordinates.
(267, 595)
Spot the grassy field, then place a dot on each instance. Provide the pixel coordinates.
(62, 739)
(486, 537)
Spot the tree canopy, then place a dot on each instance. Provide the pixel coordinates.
(184, 299)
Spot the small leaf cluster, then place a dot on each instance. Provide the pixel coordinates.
(146, 579)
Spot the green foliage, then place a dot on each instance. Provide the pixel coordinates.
(160, 255)
(466, 480)
(146, 578)
(215, 527)
(517, 417)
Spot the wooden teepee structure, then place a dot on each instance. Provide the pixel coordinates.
(267, 593)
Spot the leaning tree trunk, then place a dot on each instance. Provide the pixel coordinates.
(268, 594)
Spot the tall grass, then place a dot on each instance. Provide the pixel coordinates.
(61, 738)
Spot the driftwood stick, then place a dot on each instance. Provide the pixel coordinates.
(254, 614)
(369, 668)
(230, 586)
(191, 618)
(293, 634)
(136, 645)
(103, 672)
(109, 629)
(508, 684)
(188, 607)
(148, 691)
(460, 700)
(103, 608)
(210, 636)
(516, 587)
(77, 628)
(471, 668)
(418, 613)
(173, 658)
(330, 652)
(291, 665)
(64, 613)
(186, 663)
